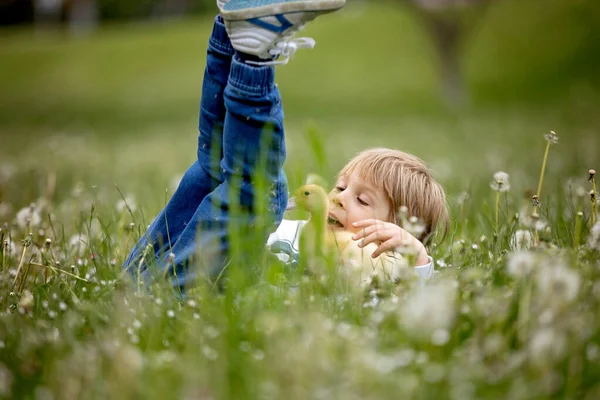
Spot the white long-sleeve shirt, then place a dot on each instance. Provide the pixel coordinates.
(284, 243)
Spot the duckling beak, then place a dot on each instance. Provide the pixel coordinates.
(291, 205)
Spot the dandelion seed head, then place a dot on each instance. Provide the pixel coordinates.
(521, 240)
(551, 137)
(546, 347)
(500, 182)
(429, 308)
(557, 282)
(521, 263)
(170, 313)
(594, 237)
(28, 217)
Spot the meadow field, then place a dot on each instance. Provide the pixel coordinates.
(96, 130)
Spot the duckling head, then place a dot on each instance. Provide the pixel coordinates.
(312, 198)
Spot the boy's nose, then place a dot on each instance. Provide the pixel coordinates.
(336, 201)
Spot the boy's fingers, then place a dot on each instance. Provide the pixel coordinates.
(369, 230)
(366, 222)
(377, 236)
(383, 247)
(365, 232)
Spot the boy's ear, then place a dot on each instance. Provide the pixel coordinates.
(314, 179)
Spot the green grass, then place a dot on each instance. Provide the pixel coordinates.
(81, 115)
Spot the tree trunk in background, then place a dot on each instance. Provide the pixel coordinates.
(447, 29)
(446, 35)
(82, 16)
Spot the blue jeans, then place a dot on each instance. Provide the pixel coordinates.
(237, 184)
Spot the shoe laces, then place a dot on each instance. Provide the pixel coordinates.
(286, 48)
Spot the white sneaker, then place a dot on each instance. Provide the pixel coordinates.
(264, 28)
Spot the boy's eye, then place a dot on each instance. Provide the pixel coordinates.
(361, 201)
(339, 188)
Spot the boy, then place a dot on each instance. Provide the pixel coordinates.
(241, 138)
(367, 198)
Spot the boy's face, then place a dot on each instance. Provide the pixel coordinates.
(355, 199)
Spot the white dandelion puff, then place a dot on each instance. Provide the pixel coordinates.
(28, 217)
(500, 182)
(521, 263)
(547, 346)
(557, 282)
(594, 237)
(521, 240)
(551, 137)
(430, 308)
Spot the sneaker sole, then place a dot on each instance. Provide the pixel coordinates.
(321, 6)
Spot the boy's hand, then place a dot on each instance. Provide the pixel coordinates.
(389, 237)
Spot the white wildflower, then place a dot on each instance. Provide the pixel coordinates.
(594, 237)
(547, 346)
(551, 137)
(500, 182)
(557, 282)
(521, 263)
(123, 203)
(430, 308)
(28, 217)
(521, 240)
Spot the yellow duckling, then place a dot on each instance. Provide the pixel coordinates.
(319, 239)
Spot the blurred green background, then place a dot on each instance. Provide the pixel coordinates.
(116, 101)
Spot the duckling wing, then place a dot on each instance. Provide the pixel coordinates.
(360, 264)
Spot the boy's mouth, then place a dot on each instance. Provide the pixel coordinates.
(333, 222)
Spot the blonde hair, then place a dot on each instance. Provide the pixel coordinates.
(406, 181)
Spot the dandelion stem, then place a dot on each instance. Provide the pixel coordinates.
(594, 199)
(56, 270)
(497, 209)
(20, 264)
(524, 305)
(577, 236)
(539, 190)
